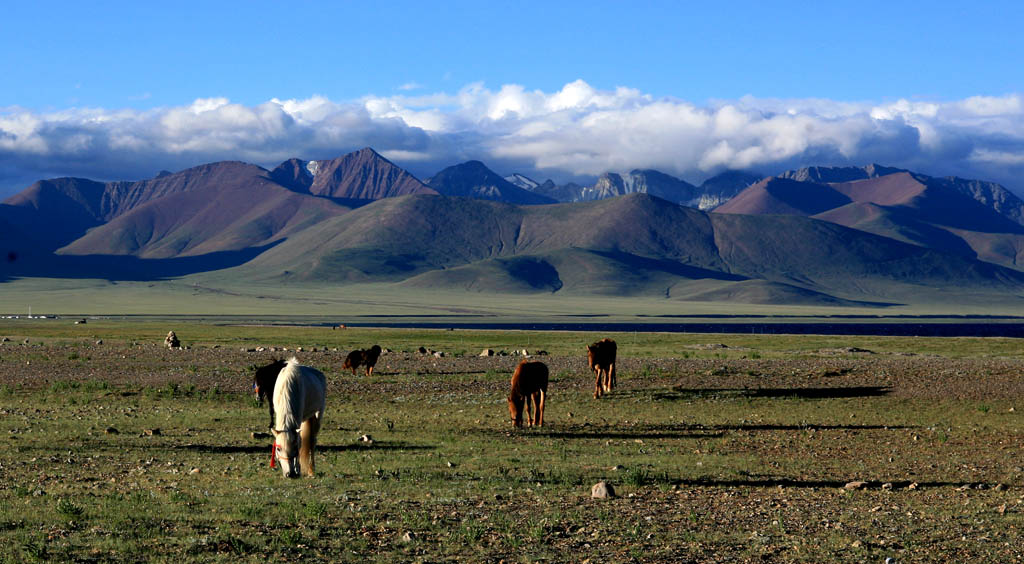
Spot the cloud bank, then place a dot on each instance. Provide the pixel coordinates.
(575, 132)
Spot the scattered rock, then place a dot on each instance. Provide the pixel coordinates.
(193, 471)
(171, 341)
(616, 468)
(887, 486)
(438, 354)
(602, 490)
(151, 432)
(111, 431)
(524, 352)
(451, 464)
(487, 352)
(366, 439)
(409, 536)
(422, 350)
(25, 342)
(856, 485)
(1000, 487)
(99, 342)
(5, 340)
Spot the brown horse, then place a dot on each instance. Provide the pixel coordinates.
(601, 358)
(359, 357)
(263, 384)
(529, 383)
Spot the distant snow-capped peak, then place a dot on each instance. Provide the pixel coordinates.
(521, 181)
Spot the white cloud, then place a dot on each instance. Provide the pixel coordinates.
(577, 130)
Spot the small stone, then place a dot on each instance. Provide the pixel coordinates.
(193, 471)
(616, 468)
(111, 431)
(887, 486)
(602, 490)
(151, 432)
(856, 485)
(1000, 487)
(438, 354)
(422, 350)
(912, 486)
(451, 464)
(487, 352)
(409, 536)
(856, 544)
(99, 342)
(366, 439)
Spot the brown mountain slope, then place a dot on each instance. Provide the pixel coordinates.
(206, 219)
(363, 175)
(626, 246)
(56, 211)
(783, 196)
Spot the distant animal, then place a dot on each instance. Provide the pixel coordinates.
(263, 384)
(601, 359)
(299, 400)
(367, 358)
(529, 384)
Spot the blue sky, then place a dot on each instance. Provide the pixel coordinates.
(868, 76)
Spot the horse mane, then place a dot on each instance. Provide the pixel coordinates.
(288, 397)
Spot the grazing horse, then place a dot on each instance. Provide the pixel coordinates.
(299, 396)
(601, 358)
(263, 384)
(359, 357)
(529, 383)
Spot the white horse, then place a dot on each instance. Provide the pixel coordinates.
(299, 400)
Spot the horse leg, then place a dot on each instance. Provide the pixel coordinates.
(308, 432)
(529, 410)
(540, 409)
(597, 383)
(611, 377)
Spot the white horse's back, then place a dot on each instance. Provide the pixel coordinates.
(300, 393)
(299, 400)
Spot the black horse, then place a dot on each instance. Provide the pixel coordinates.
(263, 384)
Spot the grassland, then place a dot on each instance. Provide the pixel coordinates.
(735, 453)
(219, 294)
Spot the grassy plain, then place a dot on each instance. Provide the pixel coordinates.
(718, 454)
(217, 294)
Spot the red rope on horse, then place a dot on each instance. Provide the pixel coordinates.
(273, 456)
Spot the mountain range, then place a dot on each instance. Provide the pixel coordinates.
(867, 236)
